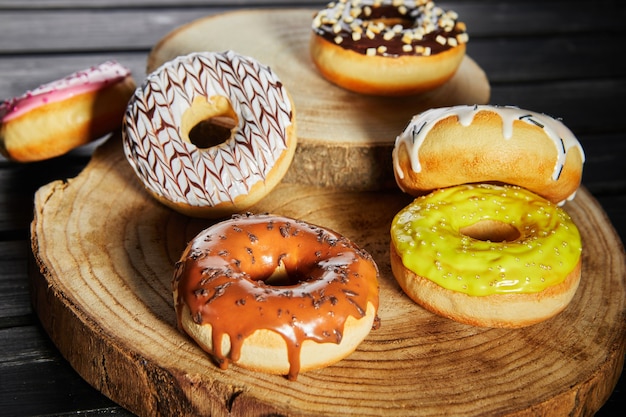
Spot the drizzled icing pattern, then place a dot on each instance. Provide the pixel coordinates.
(415, 133)
(178, 170)
(221, 277)
(390, 27)
(79, 82)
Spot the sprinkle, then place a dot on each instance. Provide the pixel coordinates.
(375, 28)
(462, 37)
(389, 35)
(347, 17)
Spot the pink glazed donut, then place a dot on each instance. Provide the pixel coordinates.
(62, 115)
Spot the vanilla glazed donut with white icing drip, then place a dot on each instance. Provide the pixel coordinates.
(210, 134)
(448, 146)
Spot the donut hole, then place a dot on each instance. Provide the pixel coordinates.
(393, 21)
(208, 122)
(491, 231)
(281, 277)
(212, 132)
(278, 281)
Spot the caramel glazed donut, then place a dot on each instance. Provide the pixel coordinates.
(389, 48)
(487, 255)
(210, 134)
(447, 146)
(64, 114)
(274, 294)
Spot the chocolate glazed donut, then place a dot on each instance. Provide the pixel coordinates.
(387, 47)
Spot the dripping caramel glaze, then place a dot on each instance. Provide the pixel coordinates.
(318, 279)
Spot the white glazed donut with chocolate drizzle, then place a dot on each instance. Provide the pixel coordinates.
(387, 47)
(449, 146)
(210, 134)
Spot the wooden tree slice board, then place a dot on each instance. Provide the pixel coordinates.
(106, 252)
(345, 138)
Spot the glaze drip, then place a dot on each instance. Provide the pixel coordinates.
(420, 125)
(328, 279)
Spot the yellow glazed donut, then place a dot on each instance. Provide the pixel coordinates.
(64, 114)
(448, 146)
(385, 47)
(210, 134)
(487, 255)
(275, 294)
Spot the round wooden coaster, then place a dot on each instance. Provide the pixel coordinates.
(106, 252)
(345, 139)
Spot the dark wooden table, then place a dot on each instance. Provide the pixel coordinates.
(563, 58)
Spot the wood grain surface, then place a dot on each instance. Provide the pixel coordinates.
(106, 251)
(344, 137)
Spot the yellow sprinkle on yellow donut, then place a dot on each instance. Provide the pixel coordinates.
(487, 239)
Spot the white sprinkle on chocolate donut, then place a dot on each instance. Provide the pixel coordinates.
(389, 26)
(387, 47)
